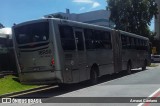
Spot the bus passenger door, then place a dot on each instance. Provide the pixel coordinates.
(81, 55)
(117, 51)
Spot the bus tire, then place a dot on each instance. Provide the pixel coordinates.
(129, 67)
(93, 76)
(144, 65)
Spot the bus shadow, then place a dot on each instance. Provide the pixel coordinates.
(56, 91)
(114, 76)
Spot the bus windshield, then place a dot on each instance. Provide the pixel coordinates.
(31, 33)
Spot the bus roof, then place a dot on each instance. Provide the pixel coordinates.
(132, 34)
(64, 21)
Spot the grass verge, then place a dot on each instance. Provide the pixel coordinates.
(9, 85)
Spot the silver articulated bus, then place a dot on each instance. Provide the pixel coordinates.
(62, 51)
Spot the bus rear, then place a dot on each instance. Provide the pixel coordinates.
(35, 53)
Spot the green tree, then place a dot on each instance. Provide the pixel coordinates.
(133, 15)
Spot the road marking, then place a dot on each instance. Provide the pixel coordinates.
(33, 91)
(153, 95)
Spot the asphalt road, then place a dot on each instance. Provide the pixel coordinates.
(138, 84)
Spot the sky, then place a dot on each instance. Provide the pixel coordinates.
(17, 11)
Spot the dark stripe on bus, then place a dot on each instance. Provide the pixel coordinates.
(33, 46)
(33, 50)
(36, 71)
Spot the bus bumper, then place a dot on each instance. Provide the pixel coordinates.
(40, 78)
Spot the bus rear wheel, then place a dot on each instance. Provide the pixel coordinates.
(129, 67)
(93, 77)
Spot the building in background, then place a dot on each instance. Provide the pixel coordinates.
(98, 17)
(6, 32)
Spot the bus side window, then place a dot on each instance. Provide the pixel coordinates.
(142, 45)
(67, 38)
(97, 39)
(145, 45)
(128, 43)
(107, 40)
(132, 43)
(137, 44)
(96, 34)
(89, 39)
(124, 41)
(100, 39)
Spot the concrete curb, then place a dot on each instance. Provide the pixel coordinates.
(15, 93)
